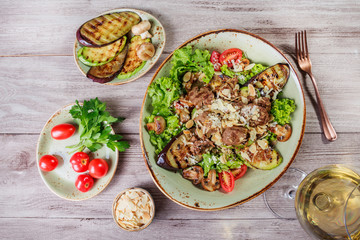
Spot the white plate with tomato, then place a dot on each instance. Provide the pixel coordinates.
(72, 175)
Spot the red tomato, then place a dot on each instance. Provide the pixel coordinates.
(239, 172)
(62, 131)
(80, 162)
(214, 59)
(48, 163)
(98, 168)
(230, 54)
(227, 181)
(84, 182)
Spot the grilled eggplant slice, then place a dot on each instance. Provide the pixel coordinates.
(106, 73)
(175, 154)
(133, 63)
(271, 80)
(100, 56)
(106, 29)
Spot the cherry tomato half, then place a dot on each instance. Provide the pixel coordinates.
(214, 59)
(62, 131)
(98, 168)
(227, 181)
(84, 182)
(239, 172)
(80, 162)
(48, 163)
(230, 54)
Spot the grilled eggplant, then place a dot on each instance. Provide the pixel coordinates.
(133, 63)
(106, 29)
(106, 73)
(102, 55)
(271, 80)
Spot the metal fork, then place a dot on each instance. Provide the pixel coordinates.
(302, 55)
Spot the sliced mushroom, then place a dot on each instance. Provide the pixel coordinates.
(158, 125)
(283, 133)
(210, 183)
(145, 51)
(142, 29)
(194, 173)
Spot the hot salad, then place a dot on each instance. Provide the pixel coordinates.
(217, 115)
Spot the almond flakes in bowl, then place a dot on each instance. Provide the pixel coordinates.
(133, 209)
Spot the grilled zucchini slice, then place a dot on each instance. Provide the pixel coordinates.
(102, 55)
(133, 63)
(106, 29)
(264, 159)
(107, 72)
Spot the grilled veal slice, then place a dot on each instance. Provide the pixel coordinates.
(107, 72)
(133, 63)
(99, 56)
(106, 29)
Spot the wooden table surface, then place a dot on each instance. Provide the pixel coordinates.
(38, 76)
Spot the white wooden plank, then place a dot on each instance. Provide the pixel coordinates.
(29, 196)
(48, 27)
(254, 229)
(32, 89)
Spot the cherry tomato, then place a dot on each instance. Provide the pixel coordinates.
(48, 163)
(214, 59)
(239, 172)
(62, 131)
(80, 162)
(84, 182)
(98, 168)
(227, 181)
(230, 54)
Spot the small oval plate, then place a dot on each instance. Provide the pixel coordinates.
(61, 181)
(158, 39)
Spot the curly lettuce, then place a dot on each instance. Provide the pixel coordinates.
(185, 60)
(163, 92)
(281, 110)
(226, 71)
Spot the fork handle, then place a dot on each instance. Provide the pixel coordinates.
(328, 128)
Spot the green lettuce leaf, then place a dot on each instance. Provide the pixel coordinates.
(226, 71)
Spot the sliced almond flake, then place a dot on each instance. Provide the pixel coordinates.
(252, 148)
(250, 66)
(132, 194)
(245, 156)
(263, 144)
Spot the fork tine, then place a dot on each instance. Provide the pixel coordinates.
(299, 44)
(306, 46)
(303, 44)
(296, 47)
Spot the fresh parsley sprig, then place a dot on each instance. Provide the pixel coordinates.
(95, 127)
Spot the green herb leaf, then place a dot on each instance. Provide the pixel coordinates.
(95, 126)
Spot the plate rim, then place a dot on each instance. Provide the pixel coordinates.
(130, 80)
(41, 174)
(145, 155)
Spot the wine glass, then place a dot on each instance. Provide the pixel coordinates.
(327, 202)
(352, 214)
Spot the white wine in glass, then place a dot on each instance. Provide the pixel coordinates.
(325, 198)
